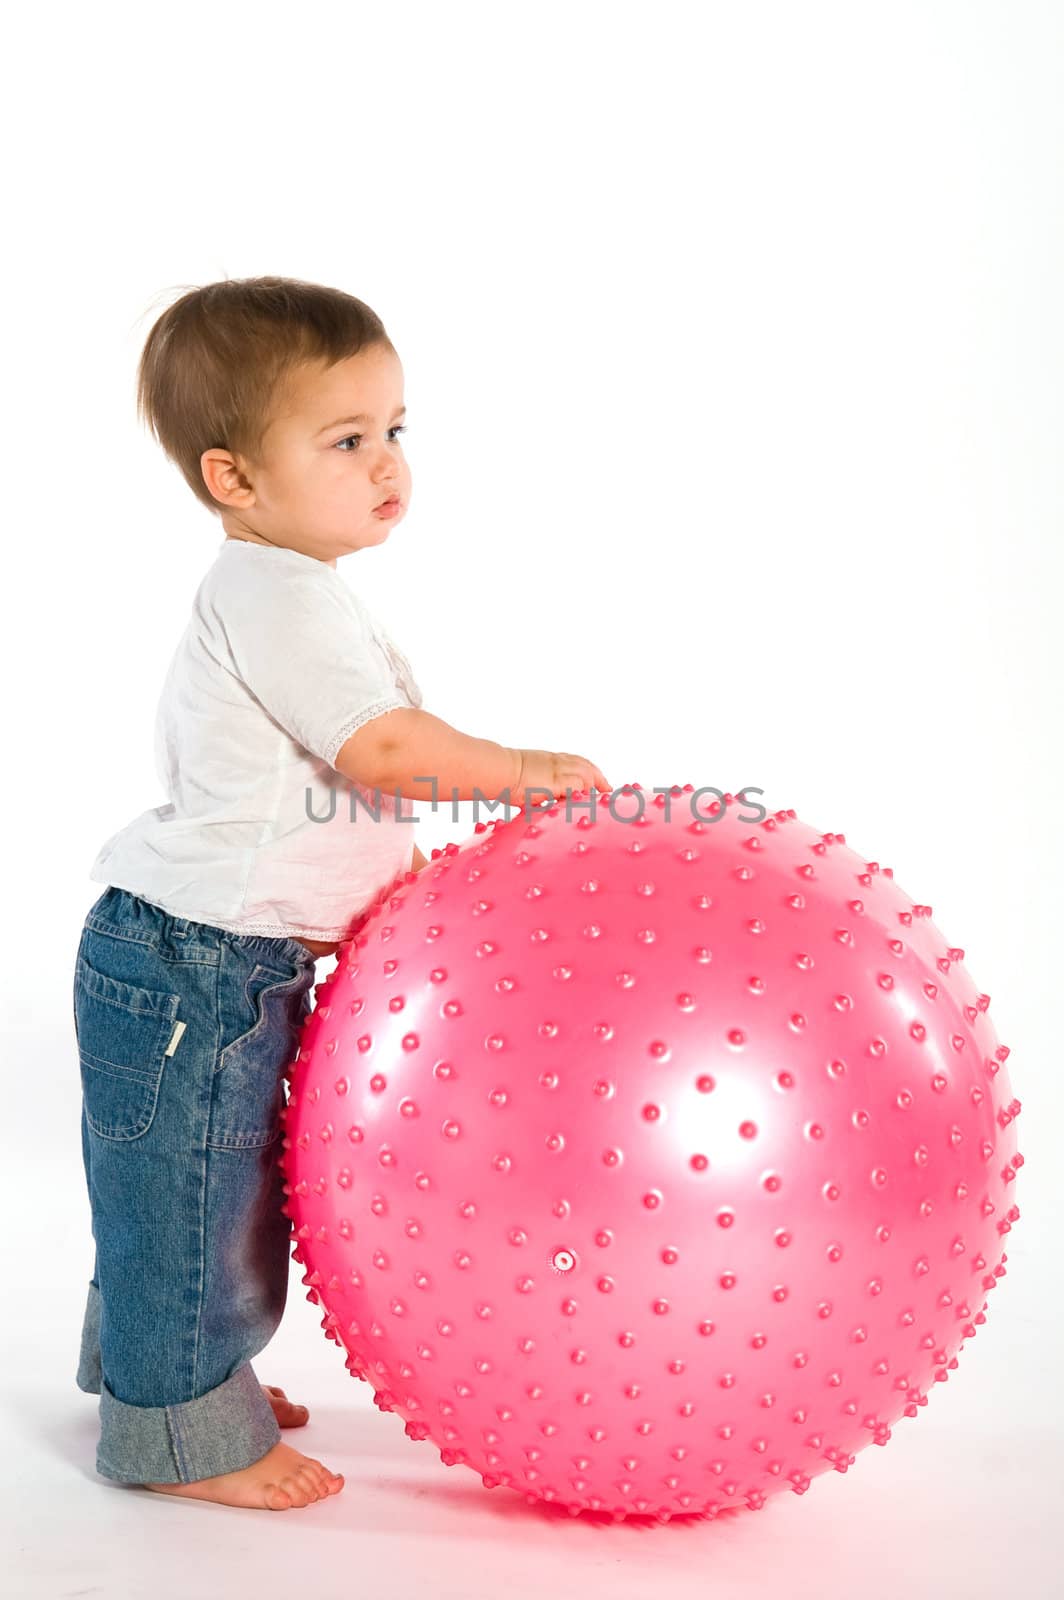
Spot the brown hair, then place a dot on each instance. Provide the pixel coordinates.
(216, 360)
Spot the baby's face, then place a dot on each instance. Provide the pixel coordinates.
(331, 455)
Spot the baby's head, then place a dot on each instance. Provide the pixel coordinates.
(281, 403)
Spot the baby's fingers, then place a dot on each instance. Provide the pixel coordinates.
(585, 775)
(591, 778)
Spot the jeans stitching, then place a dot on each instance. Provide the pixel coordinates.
(201, 1242)
(175, 1444)
(110, 930)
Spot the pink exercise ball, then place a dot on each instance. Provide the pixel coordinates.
(651, 1159)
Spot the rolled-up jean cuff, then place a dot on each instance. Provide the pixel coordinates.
(228, 1428)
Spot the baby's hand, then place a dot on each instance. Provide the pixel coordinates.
(555, 771)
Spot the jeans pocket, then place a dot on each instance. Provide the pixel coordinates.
(122, 1031)
(248, 1090)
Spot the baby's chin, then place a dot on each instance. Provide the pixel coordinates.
(367, 538)
(380, 529)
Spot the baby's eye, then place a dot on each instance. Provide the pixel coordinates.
(399, 428)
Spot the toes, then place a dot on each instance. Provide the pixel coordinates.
(308, 1483)
(329, 1482)
(287, 1413)
(295, 1490)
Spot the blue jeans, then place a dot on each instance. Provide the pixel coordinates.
(185, 1033)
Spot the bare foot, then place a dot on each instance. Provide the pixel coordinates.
(287, 1413)
(279, 1480)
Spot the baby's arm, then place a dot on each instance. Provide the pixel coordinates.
(403, 750)
(391, 750)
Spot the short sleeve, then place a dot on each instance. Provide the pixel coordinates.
(308, 652)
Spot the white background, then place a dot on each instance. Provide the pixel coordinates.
(733, 344)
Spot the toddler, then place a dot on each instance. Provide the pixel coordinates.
(281, 402)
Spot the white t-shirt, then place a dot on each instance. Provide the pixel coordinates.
(278, 666)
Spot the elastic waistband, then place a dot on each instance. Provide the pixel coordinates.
(130, 916)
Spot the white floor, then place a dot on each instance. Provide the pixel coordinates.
(963, 1500)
